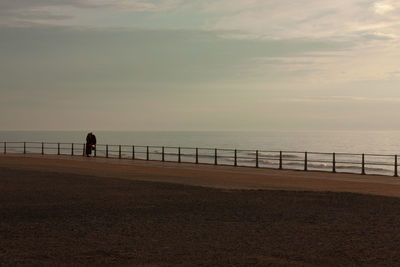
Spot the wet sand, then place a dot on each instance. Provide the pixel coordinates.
(85, 211)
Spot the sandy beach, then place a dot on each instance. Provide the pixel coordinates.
(63, 210)
(223, 177)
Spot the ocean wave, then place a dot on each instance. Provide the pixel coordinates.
(275, 155)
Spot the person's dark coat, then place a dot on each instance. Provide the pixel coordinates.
(93, 140)
(89, 140)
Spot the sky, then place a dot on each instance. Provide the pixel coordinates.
(199, 65)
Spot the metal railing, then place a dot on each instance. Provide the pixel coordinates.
(292, 160)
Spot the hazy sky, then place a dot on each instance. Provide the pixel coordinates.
(199, 64)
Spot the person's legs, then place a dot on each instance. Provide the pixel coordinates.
(88, 150)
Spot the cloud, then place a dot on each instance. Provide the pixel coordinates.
(244, 19)
(319, 41)
(341, 19)
(379, 36)
(383, 7)
(394, 75)
(135, 5)
(132, 5)
(140, 55)
(338, 99)
(73, 12)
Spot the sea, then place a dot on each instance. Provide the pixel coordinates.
(340, 151)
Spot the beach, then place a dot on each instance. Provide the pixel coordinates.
(64, 210)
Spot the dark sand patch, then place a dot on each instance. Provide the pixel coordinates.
(51, 218)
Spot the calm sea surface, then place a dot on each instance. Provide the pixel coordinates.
(371, 142)
(383, 142)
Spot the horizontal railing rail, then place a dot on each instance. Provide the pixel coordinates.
(370, 163)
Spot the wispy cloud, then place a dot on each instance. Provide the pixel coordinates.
(383, 7)
(72, 12)
(251, 19)
(338, 99)
(305, 19)
(314, 41)
(136, 5)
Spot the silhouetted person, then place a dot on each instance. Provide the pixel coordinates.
(90, 143)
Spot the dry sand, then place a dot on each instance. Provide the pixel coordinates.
(225, 177)
(91, 211)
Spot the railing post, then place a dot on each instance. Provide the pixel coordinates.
(179, 155)
(305, 161)
(58, 148)
(197, 155)
(119, 151)
(215, 157)
(72, 149)
(280, 160)
(363, 164)
(334, 162)
(5, 147)
(256, 158)
(162, 154)
(42, 148)
(83, 150)
(147, 152)
(133, 152)
(24, 147)
(235, 163)
(95, 150)
(395, 166)
(106, 151)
